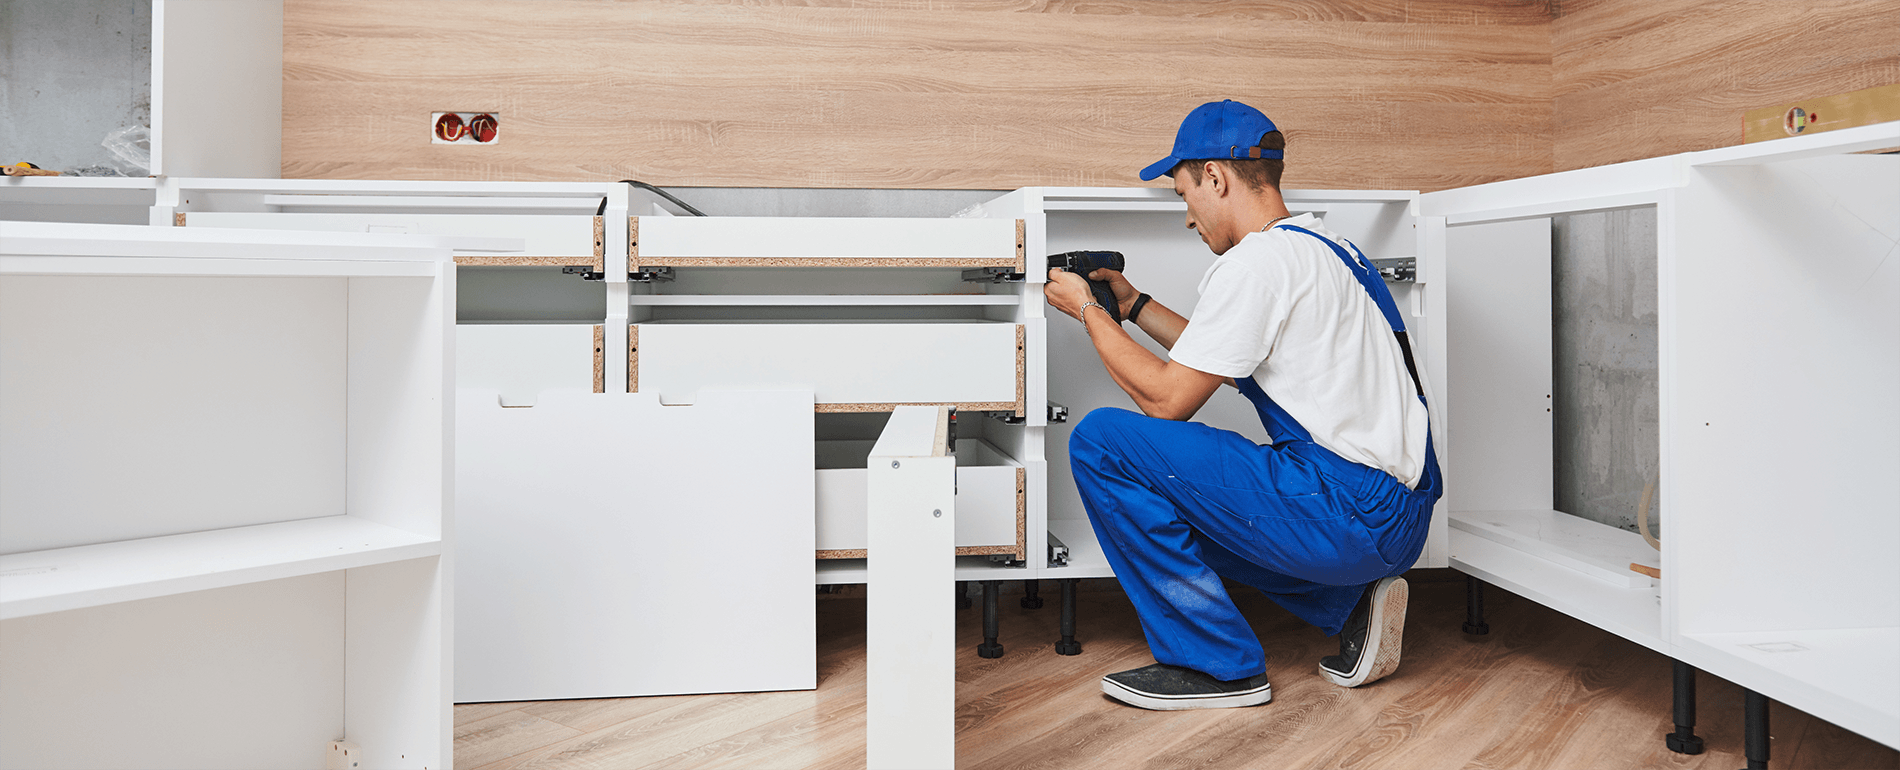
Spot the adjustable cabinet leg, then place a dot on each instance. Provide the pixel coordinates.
(1067, 645)
(963, 596)
(989, 648)
(1755, 729)
(1474, 607)
(1032, 597)
(1684, 739)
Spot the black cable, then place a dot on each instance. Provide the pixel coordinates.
(602, 211)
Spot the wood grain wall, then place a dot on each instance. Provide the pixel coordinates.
(989, 94)
(1373, 94)
(1641, 79)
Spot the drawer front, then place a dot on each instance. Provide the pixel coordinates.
(519, 361)
(849, 367)
(824, 242)
(991, 512)
(549, 239)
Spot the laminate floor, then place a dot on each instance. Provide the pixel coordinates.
(1541, 691)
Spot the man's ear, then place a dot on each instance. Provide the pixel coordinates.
(1217, 174)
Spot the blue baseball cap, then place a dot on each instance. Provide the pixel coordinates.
(1223, 129)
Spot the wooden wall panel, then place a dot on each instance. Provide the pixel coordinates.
(1373, 94)
(1644, 78)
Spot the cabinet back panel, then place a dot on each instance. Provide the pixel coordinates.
(1497, 320)
(143, 406)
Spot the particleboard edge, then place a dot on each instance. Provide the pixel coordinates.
(600, 244)
(178, 219)
(600, 358)
(966, 262)
(968, 406)
(1022, 371)
(1022, 513)
(467, 260)
(843, 553)
(633, 244)
(1022, 262)
(633, 358)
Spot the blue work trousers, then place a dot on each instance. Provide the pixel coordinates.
(1179, 505)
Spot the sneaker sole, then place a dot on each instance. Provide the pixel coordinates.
(1387, 635)
(1254, 697)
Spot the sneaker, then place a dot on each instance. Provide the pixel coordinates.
(1172, 688)
(1369, 644)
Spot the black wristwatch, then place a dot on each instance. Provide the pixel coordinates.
(1135, 309)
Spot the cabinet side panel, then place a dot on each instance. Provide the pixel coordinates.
(217, 88)
(1497, 289)
(1782, 433)
(143, 406)
(397, 694)
(399, 335)
(246, 678)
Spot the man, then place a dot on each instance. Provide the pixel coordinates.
(1325, 518)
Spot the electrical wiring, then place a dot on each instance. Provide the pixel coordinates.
(656, 191)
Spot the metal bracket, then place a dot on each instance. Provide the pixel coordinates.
(1398, 269)
(651, 275)
(993, 275)
(1058, 552)
(586, 272)
(1057, 414)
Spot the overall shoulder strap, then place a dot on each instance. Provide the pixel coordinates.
(1375, 287)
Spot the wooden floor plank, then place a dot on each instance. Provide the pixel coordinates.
(1541, 691)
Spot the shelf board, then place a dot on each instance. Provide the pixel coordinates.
(1632, 613)
(1086, 559)
(822, 300)
(1592, 548)
(39, 582)
(80, 249)
(1848, 676)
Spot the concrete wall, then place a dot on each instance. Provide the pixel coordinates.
(1603, 287)
(71, 72)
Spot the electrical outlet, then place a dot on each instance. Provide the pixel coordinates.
(464, 127)
(343, 755)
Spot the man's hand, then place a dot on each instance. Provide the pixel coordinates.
(1125, 292)
(1068, 292)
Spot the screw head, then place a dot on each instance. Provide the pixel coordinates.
(893, 463)
(937, 513)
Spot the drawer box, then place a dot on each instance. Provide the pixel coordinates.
(518, 361)
(548, 239)
(991, 501)
(850, 367)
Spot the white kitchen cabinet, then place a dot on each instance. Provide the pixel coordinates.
(224, 523)
(1779, 308)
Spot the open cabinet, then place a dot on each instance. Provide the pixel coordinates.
(225, 522)
(1779, 347)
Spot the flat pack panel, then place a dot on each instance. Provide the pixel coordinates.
(542, 235)
(910, 645)
(242, 678)
(566, 587)
(518, 361)
(143, 406)
(801, 240)
(217, 88)
(843, 363)
(1781, 430)
(400, 341)
(397, 695)
(1497, 287)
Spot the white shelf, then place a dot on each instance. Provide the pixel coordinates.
(822, 300)
(1848, 676)
(1595, 549)
(1632, 613)
(79, 190)
(40, 582)
(1086, 559)
(74, 249)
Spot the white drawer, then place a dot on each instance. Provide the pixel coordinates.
(850, 367)
(548, 239)
(824, 242)
(991, 504)
(519, 361)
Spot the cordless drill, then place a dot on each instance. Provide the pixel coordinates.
(1084, 262)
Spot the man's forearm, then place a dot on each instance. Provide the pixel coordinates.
(1160, 388)
(1161, 324)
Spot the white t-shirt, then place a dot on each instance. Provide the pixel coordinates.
(1282, 308)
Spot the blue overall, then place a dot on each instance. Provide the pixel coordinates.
(1179, 505)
